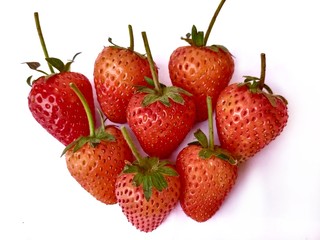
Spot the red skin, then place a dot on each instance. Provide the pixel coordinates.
(117, 72)
(158, 128)
(247, 122)
(146, 215)
(202, 72)
(58, 109)
(205, 183)
(96, 169)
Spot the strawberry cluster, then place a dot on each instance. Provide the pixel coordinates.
(105, 161)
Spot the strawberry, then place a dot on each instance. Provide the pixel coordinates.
(249, 116)
(160, 117)
(200, 69)
(53, 104)
(95, 161)
(207, 173)
(117, 71)
(147, 190)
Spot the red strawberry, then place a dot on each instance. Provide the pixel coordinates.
(206, 175)
(96, 160)
(54, 105)
(117, 71)
(249, 116)
(147, 190)
(160, 117)
(200, 69)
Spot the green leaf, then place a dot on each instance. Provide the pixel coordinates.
(131, 168)
(165, 100)
(138, 179)
(158, 181)
(80, 143)
(144, 89)
(206, 153)
(147, 187)
(202, 138)
(224, 155)
(56, 63)
(176, 97)
(71, 145)
(169, 171)
(149, 99)
(197, 37)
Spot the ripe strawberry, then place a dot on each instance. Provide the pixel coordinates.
(117, 71)
(160, 117)
(249, 116)
(96, 160)
(206, 174)
(147, 190)
(54, 105)
(200, 69)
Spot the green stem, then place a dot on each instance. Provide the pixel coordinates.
(43, 44)
(263, 71)
(86, 108)
(130, 143)
(131, 48)
(210, 123)
(212, 22)
(151, 63)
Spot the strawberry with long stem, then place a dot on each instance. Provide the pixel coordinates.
(96, 160)
(161, 116)
(201, 69)
(249, 115)
(147, 190)
(207, 173)
(52, 102)
(117, 70)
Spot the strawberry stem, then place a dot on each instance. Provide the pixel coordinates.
(263, 71)
(131, 144)
(131, 48)
(43, 44)
(151, 63)
(210, 123)
(86, 108)
(212, 22)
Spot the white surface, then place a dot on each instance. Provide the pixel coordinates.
(277, 195)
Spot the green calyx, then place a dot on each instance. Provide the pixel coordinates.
(257, 85)
(96, 135)
(51, 61)
(208, 148)
(160, 92)
(200, 39)
(164, 96)
(196, 38)
(149, 172)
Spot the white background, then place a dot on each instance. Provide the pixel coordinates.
(277, 195)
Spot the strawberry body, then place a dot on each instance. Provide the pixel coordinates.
(117, 71)
(146, 215)
(57, 108)
(96, 168)
(160, 128)
(205, 183)
(202, 72)
(247, 122)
